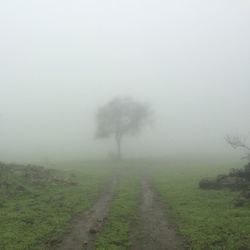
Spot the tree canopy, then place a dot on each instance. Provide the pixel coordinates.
(120, 117)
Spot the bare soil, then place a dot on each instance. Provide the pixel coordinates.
(154, 231)
(85, 226)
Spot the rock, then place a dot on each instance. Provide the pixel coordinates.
(232, 182)
(93, 231)
(116, 242)
(85, 243)
(208, 184)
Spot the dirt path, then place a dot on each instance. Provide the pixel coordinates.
(155, 233)
(85, 226)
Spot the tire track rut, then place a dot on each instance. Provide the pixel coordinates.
(154, 231)
(85, 226)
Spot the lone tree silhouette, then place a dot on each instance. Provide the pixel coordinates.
(122, 117)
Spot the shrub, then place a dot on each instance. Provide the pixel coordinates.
(237, 179)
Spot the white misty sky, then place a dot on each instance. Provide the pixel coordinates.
(60, 60)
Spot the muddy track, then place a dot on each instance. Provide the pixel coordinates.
(154, 231)
(85, 226)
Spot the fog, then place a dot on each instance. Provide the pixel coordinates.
(61, 60)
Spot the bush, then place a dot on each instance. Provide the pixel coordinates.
(237, 179)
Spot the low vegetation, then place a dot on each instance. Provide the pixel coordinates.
(238, 179)
(37, 204)
(207, 219)
(123, 215)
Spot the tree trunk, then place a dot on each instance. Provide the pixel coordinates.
(118, 139)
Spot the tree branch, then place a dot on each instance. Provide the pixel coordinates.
(237, 142)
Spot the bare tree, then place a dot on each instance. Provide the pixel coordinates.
(238, 142)
(121, 117)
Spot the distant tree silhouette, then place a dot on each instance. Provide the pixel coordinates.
(122, 117)
(238, 142)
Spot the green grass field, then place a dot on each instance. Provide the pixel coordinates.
(36, 215)
(39, 214)
(207, 218)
